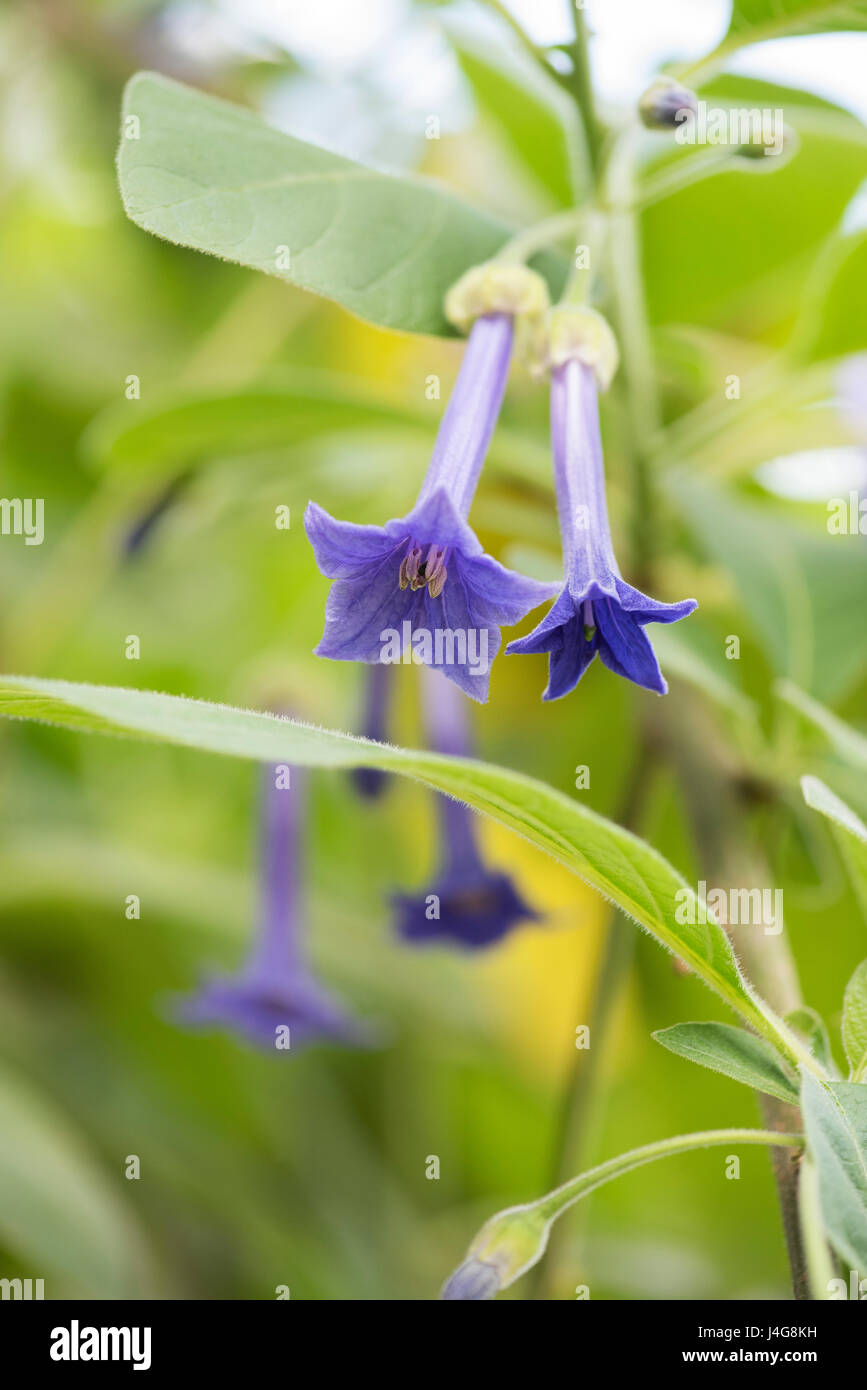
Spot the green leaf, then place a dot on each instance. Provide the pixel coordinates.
(833, 318)
(810, 1025)
(757, 21)
(849, 831)
(835, 1119)
(743, 286)
(612, 860)
(789, 582)
(60, 1213)
(203, 173)
(177, 427)
(734, 1052)
(539, 121)
(851, 746)
(855, 1022)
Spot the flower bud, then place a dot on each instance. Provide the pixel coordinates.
(665, 104)
(507, 1245)
(496, 288)
(576, 331)
(780, 149)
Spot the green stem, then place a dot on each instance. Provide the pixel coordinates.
(555, 1203)
(685, 174)
(820, 1265)
(581, 86)
(526, 243)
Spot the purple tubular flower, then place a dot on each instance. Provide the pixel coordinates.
(424, 578)
(370, 781)
(276, 991)
(597, 611)
(472, 905)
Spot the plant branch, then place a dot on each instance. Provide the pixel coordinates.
(717, 802)
(555, 1203)
(581, 86)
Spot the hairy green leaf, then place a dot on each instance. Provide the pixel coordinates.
(612, 860)
(855, 1022)
(734, 1052)
(835, 1118)
(203, 173)
(810, 1025)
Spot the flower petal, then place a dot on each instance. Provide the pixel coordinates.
(359, 611)
(436, 519)
(341, 548)
(475, 912)
(650, 610)
(561, 635)
(502, 595)
(243, 1006)
(624, 646)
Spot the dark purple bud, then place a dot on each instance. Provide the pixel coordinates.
(666, 104)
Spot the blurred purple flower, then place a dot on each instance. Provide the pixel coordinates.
(370, 781)
(140, 533)
(469, 904)
(276, 991)
(421, 584)
(597, 611)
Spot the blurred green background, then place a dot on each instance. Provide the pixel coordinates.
(309, 1170)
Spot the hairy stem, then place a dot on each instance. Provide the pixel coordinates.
(718, 801)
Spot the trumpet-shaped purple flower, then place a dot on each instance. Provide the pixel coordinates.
(370, 781)
(469, 903)
(275, 1001)
(421, 587)
(597, 611)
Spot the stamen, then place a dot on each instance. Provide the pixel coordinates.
(415, 573)
(435, 570)
(437, 583)
(589, 625)
(410, 567)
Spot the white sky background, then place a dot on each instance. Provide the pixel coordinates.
(631, 39)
